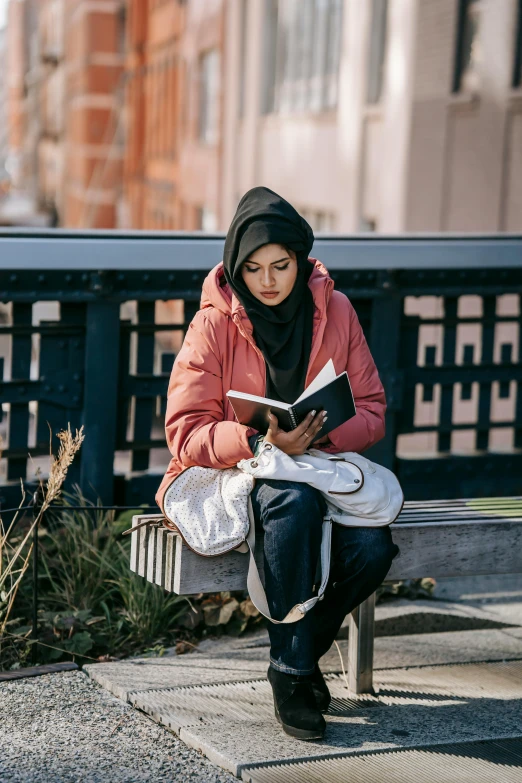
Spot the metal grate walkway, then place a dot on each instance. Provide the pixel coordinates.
(445, 716)
(484, 761)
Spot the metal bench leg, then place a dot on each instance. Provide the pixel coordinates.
(360, 647)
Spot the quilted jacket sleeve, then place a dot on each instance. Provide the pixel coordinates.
(367, 426)
(195, 429)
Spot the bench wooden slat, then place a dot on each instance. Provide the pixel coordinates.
(486, 509)
(457, 549)
(460, 501)
(462, 517)
(450, 504)
(435, 549)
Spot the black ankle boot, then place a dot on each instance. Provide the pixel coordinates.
(295, 705)
(320, 689)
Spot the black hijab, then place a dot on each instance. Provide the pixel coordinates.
(283, 332)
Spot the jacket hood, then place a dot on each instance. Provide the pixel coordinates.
(217, 293)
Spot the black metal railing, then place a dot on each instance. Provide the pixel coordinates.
(442, 315)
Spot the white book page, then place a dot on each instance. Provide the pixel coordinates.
(255, 398)
(325, 376)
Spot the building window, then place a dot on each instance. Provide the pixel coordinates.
(320, 222)
(122, 26)
(270, 61)
(209, 96)
(243, 10)
(367, 224)
(468, 55)
(377, 50)
(517, 62)
(302, 48)
(206, 220)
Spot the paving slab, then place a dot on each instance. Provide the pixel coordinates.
(124, 677)
(447, 669)
(436, 648)
(228, 660)
(465, 762)
(234, 726)
(177, 708)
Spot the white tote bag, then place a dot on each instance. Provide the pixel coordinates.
(208, 508)
(211, 509)
(358, 492)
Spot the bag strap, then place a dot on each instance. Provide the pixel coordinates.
(255, 586)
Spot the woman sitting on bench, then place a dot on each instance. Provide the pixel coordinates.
(269, 321)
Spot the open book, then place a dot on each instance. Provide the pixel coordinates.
(327, 391)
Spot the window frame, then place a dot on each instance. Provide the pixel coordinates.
(516, 79)
(208, 136)
(458, 67)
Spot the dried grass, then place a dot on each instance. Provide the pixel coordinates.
(14, 560)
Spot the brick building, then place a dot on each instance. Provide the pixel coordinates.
(65, 107)
(173, 106)
(94, 33)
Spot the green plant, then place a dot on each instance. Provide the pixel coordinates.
(78, 556)
(85, 568)
(150, 614)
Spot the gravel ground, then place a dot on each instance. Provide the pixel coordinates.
(63, 728)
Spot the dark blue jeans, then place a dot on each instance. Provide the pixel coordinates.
(290, 514)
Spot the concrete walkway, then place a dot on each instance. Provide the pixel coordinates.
(431, 688)
(428, 688)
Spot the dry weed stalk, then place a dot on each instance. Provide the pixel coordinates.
(16, 560)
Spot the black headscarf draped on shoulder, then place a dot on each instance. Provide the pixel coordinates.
(282, 332)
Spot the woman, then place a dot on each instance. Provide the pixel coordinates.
(270, 319)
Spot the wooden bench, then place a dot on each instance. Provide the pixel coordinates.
(436, 538)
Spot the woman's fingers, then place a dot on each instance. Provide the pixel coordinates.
(303, 427)
(305, 432)
(315, 425)
(273, 424)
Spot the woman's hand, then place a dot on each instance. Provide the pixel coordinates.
(296, 441)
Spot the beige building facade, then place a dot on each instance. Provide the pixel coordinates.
(4, 140)
(383, 115)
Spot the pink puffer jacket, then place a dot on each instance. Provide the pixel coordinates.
(219, 354)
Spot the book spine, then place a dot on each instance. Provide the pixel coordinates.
(293, 418)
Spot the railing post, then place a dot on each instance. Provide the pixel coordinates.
(19, 411)
(385, 336)
(360, 647)
(102, 339)
(37, 504)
